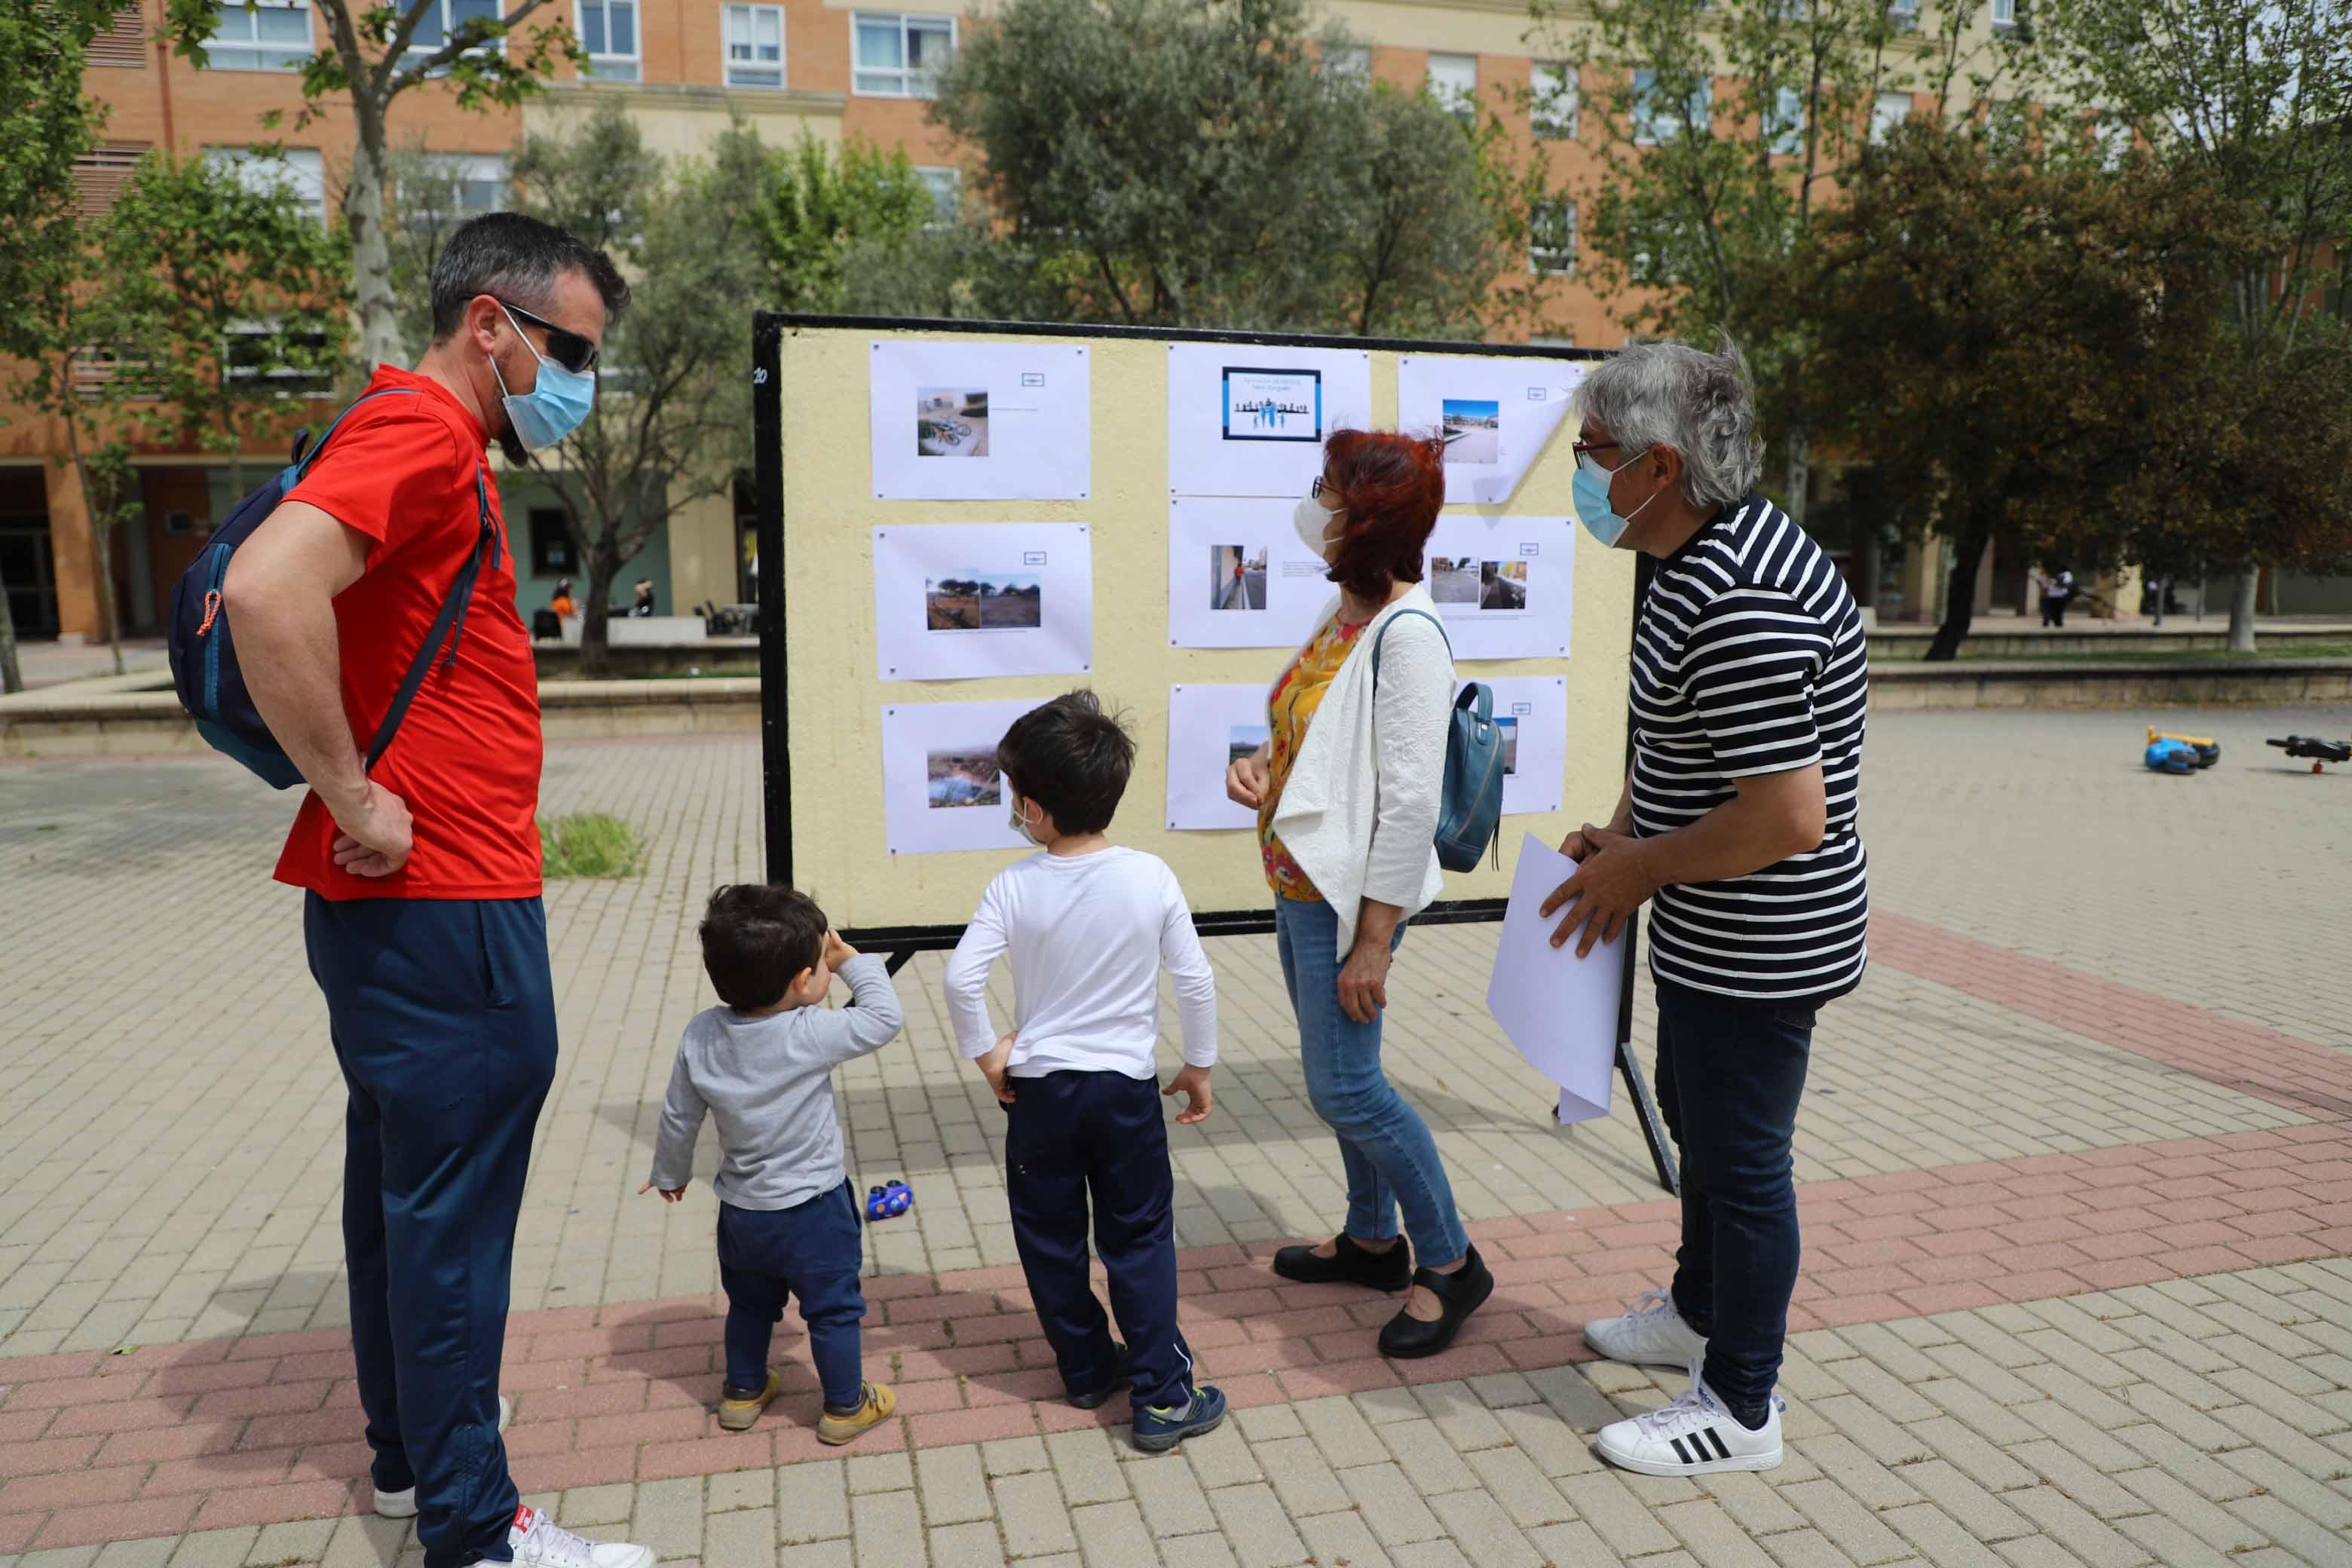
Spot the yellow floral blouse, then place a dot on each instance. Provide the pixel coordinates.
(1289, 711)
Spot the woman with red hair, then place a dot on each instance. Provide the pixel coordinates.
(1345, 789)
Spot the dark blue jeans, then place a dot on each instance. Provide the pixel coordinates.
(813, 1252)
(1074, 1140)
(443, 1015)
(1730, 1076)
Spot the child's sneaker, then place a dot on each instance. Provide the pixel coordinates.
(538, 1542)
(873, 1409)
(1654, 1333)
(403, 1504)
(739, 1408)
(1694, 1436)
(1094, 1399)
(1158, 1428)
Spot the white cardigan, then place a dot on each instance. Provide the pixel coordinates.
(1359, 811)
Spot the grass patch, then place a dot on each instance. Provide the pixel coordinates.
(589, 844)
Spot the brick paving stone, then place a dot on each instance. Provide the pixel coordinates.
(1111, 1535)
(1029, 1508)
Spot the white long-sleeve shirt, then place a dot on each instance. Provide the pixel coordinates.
(1087, 935)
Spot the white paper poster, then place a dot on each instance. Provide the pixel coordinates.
(1250, 420)
(1238, 577)
(1559, 1010)
(1208, 726)
(940, 787)
(981, 421)
(1497, 415)
(1505, 585)
(1533, 712)
(959, 601)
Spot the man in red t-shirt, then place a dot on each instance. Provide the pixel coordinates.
(422, 912)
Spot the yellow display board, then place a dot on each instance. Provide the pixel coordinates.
(832, 698)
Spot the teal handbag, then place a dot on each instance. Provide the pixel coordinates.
(1470, 803)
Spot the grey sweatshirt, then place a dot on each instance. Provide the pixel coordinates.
(768, 1082)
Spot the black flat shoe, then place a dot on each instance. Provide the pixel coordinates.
(1458, 1294)
(1095, 1399)
(1350, 1265)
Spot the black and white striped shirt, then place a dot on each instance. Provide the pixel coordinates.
(1748, 659)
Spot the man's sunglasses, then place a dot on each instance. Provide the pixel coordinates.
(568, 349)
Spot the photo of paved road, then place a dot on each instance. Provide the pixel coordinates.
(1473, 430)
(1502, 584)
(976, 603)
(1454, 580)
(1237, 577)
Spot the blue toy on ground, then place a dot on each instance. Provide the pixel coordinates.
(889, 1201)
(2170, 757)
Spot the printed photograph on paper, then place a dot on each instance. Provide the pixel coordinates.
(964, 778)
(1243, 740)
(1272, 405)
(1510, 729)
(1237, 577)
(1480, 585)
(983, 601)
(1472, 428)
(951, 422)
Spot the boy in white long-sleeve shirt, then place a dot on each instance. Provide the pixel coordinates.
(1088, 926)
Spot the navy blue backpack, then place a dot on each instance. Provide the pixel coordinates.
(1470, 803)
(204, 654)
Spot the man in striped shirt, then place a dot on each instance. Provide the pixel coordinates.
(1750, 683)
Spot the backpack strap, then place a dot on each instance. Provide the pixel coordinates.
(449, 624)
(1393, 620)
(305, 451)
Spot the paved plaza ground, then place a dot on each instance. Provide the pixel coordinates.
(2075, 1168)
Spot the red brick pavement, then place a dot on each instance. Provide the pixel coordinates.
(265, 1428)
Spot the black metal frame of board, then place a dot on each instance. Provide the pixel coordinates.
(903, 941)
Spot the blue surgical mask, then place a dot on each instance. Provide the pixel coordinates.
(554, 407)
(1593, 507)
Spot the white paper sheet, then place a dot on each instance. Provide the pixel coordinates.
(1497, 415)
(1505, 585)
(959, 601)
(1533, 711)
(1246, 420)
(1238, 577)
(1559, 1010)
(941, 789)
(1208, 727)
(981, 421)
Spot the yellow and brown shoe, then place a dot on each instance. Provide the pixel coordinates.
(738, 1409)
(876, 1407)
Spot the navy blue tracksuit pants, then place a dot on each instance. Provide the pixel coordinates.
(1071, 1137)
(443, 1020)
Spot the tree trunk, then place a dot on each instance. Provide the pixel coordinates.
(1799, 468)
(12, 678)
(380, 340)
(1959, 598)
(101, 510)
(2241, 608)
(595, 661)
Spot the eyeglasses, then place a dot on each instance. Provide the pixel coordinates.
(568, 349)
(1317, 488)
(1588, 462)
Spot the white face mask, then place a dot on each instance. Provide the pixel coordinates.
(1020, 823)
(1311, 518)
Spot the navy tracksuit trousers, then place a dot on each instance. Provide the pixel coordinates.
(444, 1021)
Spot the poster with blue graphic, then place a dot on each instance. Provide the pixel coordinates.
(1272, 405)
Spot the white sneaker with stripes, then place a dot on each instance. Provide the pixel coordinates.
(1651, 1333)
(1694, 1436)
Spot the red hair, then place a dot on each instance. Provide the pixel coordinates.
(1389, 487)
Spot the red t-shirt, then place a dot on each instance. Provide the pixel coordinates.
(467, 756)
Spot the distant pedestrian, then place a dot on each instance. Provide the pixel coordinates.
(422, 907)
(2057, 592)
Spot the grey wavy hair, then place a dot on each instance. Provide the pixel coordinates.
(1663, 392)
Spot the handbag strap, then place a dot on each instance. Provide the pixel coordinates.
(1393, 620)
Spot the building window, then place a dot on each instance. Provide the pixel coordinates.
(550, 544)
(1350, 62)
(1551, 240)
(946, 186)
(1553, 95)
(2004, 16)
(1784, 130)
(443, 17)
(1888, 111)
(255, 350)
(1454, 82)
(899, 56)
(608, 31)
(1655, 122)
(755, 45)
(100, 174)
(1903, 15)
(299, 170)
(123, 43)
(260, 35)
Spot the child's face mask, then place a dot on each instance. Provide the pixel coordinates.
(1020, 823)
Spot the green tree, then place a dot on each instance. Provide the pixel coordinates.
(827, 224)
(1187, 162)
(2258, 95)
(2019, 339)
(672, 422)
(375, 53)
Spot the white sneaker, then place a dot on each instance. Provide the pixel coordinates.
(538, 1542)
(1694, 1436)
(403, 1504)
(1651, 1334)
